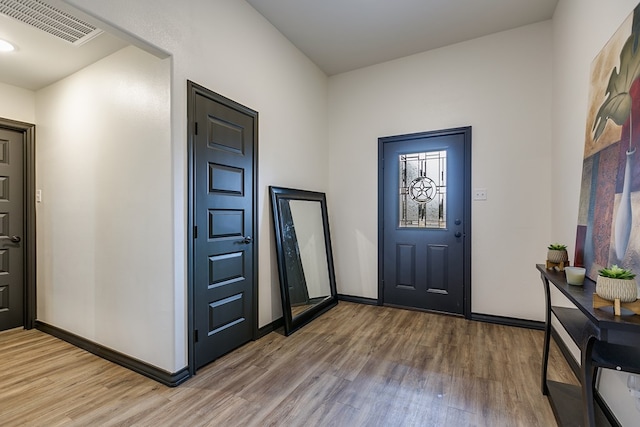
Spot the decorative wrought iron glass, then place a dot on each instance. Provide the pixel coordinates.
(423, 189)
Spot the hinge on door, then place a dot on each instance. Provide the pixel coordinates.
(196, 128)
(195, 232)
(195, 336)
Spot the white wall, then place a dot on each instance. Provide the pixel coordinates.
(103, 161)
(21, 105)
(226, 46)
(501, 86)
(581, 29)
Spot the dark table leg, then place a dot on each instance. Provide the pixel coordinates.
(588, 383)
(547, 336)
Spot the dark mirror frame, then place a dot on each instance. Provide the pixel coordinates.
(291, 324)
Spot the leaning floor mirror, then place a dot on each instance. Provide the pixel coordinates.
(305, 261)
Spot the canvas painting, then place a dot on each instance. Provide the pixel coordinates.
(608, 229)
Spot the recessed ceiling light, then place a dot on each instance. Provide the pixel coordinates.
(5, 46)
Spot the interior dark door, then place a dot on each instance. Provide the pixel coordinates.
(12, 288)
(223, 214)
(425, 218)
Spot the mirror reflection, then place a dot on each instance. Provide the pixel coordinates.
(304, 255)
(306, 259)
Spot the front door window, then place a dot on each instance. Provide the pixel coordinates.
(422, 200)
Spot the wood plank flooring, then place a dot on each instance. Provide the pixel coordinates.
(357, 365)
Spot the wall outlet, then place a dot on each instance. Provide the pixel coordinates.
(479, 194)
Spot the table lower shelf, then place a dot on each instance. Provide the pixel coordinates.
(566, 403)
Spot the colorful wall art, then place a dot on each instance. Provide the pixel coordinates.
(609, 214)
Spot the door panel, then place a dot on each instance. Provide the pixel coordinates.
(12, 288)
(223, 212)
(424, 221)
(406, 266)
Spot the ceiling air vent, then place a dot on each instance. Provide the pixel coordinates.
(49, 19)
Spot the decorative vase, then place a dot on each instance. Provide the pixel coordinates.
(557, 256)
(611, 289)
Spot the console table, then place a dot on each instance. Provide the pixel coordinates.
(605, 341)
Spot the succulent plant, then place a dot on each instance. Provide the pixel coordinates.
(616, 272)
(557, 247)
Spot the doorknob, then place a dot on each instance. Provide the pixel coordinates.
(458, 234)
(247, 240)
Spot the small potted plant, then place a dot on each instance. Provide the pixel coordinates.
(616, 283)
(557, 253)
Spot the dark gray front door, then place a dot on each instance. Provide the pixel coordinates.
(425, 219)
(12, 289)
(224, 256)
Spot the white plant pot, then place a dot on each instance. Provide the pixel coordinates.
(611, 289)
(557, 256)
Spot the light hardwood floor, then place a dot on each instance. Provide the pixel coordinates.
(357, 365)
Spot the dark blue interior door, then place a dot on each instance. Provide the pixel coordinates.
(224, 259)
(11, 229)
(425, 221)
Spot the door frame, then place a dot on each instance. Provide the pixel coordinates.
(193, 90)
(28, 131)
(466, 133)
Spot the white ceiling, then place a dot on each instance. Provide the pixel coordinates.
(338, 35)
(343, 35)
(41, 59)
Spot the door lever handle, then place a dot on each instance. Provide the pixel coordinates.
(14, 239)
(247, 240)
(458, 234)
